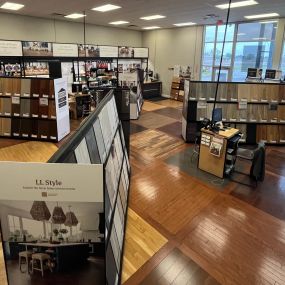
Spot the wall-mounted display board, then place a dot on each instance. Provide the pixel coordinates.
(34, 200)
(11, 48)
(34, 108)
(126, 52)
(141, 52)
(258, 109)
(37, 49)
(96, 51)
(48, 49)
(132, 52)
(100, 140)
(65, 50)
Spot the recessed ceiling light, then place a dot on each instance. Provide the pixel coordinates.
(258, 39)
(12, 6)
(151, 28)
(75, 16)
(152, 17)
(184, 24)
(259, 16)
(118, 23)
(106, 8)
(268, 22)
(237, 4)
(241, 34)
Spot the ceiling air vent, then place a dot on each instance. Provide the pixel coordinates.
(133, 26)
(57, 15)
(210, 17)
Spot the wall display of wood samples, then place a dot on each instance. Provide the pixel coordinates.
(260, 105)
(177, 89)
(28, 109)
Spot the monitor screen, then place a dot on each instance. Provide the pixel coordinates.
(217, 115)
(76, 87)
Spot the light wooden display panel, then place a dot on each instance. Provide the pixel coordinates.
(265, 107)
(210, 163)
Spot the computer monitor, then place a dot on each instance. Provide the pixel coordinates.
(76, 87)
(217, 115)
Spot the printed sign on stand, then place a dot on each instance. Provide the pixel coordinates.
(62, 108)
(57, 209)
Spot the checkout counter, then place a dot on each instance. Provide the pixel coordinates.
(218, 151)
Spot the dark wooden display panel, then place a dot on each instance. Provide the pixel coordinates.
(27, 109)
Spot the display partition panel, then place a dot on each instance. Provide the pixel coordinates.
(101, 140)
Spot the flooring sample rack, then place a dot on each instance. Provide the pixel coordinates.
(34, 109)
(100, 140)
(257, 109)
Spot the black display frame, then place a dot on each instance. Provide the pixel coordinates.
(69, 147)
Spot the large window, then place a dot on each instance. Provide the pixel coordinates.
(254, 48)
(247, 45)
(14, 225)
(213, 44)
(33, 229)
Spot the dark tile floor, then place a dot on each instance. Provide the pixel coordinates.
(178, 269)
(91, 273)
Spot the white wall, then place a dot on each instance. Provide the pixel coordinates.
(16, 27)
(169, 47)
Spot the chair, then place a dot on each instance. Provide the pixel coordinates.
(196, 150)
(24, 256)
(86, 107)
(257, 159)
(42, 259)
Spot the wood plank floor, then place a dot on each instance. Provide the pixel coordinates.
(233, 235)
(28, 152)
(185, 231)
(141, 242)
(3, 276)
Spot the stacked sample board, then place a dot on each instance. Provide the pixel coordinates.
(177, 89)
(257, 109)
(34, 108)
(100, 140)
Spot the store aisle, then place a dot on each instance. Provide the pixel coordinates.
(213, 237)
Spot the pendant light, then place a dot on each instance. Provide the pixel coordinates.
(40, 211)
(71, 219)
(58, 216)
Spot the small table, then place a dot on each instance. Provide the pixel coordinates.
(213, 150)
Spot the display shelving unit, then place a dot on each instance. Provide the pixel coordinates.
(257, 109)
(33, 108)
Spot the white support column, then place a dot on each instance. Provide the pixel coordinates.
(278, 44)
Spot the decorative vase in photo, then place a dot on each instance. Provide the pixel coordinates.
(37, 49)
